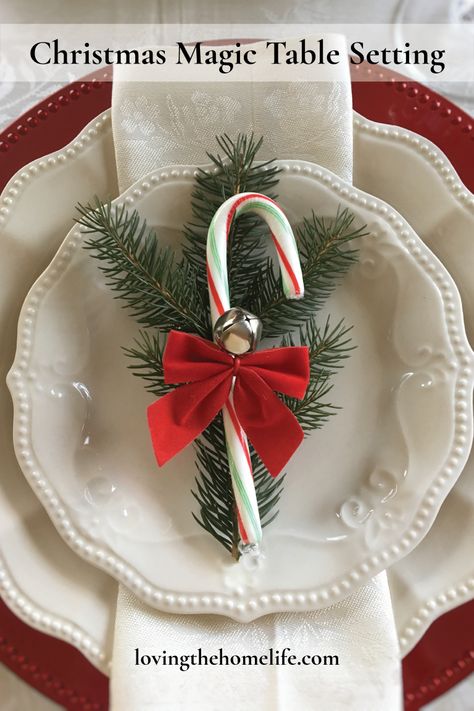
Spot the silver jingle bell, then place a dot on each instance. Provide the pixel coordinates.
(237, 331)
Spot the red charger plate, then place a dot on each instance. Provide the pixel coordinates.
(445, 655)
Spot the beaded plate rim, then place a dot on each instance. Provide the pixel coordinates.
(11, 592)
(251, 606)
(425, 149)
(462, 591)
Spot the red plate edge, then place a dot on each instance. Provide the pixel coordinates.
(382, 96)
(51, 666)
(445, 654)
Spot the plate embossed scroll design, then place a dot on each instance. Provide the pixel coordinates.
(81, 438)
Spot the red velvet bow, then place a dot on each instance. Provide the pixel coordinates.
(176, 419)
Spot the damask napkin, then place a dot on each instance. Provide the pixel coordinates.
(159, 124)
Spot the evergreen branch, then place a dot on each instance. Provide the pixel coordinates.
(214, 492)
(234, 172)
(329, 346)
(325, 258)
(163, 293)
(311, 412)
(147, 357)
(159, 291)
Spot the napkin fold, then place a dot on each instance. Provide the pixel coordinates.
(161, 124)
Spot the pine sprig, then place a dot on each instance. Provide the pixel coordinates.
(329, 345)
(214, 489)
(163, 292)
(235, 171)
(159, 291)
(313, 411)
(147, 362)
(325, 258)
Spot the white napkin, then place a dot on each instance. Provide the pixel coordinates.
(159, 124)
(359, 630)
(162, 124)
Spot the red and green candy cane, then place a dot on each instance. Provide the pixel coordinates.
(238, 332)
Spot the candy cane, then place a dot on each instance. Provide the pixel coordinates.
(283, 238)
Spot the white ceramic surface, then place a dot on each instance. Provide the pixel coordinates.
(406, 389)
(39, 578)
(415, 177)
(392, 163)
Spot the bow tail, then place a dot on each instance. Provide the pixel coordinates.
(271, 427)
(176, 419)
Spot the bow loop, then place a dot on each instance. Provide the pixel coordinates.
(188, 359)
(285, 370)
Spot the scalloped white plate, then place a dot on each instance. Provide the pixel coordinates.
(40, 580)
(28, 539)
(397, 446)
(439, 574)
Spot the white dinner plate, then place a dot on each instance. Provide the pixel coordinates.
(415, 177)
(373, 477)
(40, 580)
(393, 163)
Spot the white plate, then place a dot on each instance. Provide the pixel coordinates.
(390, 162)
(415, 177)
(397, 447)
(40, 580)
